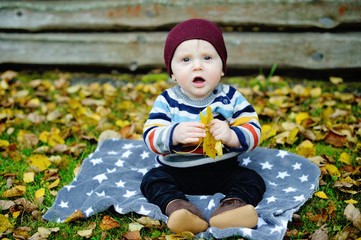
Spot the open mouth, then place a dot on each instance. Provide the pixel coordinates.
(198, 80)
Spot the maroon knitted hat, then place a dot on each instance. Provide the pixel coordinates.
(194, 29)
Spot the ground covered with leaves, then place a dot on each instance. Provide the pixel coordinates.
(51, 121)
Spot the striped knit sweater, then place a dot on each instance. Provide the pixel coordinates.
(173, 107)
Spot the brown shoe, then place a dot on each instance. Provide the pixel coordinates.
(233, 212)
(184, 216)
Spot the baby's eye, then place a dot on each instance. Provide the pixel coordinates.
(207, 58)
(185, 60)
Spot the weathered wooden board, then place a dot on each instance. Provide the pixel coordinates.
(145, 49)
(150, 14)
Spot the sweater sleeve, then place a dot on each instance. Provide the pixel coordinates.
(158, 129)
(245, 124)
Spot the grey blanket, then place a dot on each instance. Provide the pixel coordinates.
(111, 176)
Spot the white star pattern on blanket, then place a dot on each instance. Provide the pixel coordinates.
(112, 174)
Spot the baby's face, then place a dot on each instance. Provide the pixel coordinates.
(197, 68)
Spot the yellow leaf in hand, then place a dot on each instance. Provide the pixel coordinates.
(211, 147)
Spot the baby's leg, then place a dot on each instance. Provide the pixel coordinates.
(244, 189)
(160, 187)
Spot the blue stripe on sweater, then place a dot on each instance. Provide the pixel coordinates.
(182, 107)
(159, 116)
(248, 109)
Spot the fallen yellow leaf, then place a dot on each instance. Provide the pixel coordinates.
(15, 191)
(39, 160)
(44, 136)
(4, 143)
(306, 149)
(332, 170)
(301, 117)
(321, 194)
(351, 201)
(54, 184)
(345, 158)
(336, 80)
(4, 223)
(55, 139)
(39, 193)
(292, 137)
(268, 131)
(29, 177)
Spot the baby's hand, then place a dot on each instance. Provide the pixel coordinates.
(220, 130)
(188, 132)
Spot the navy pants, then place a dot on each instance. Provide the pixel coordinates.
(163, 184)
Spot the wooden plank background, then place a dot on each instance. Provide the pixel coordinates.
(306, 34)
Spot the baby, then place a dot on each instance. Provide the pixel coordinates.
(195, 56)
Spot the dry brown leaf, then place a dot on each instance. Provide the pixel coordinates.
(59, 148)
(42, 149)
(108, 223)
(321, 233)
(43, 233)
(87, 233)
(36, 118)
(28, 206)
(21, 233)
(335, 138)
(148, 222)
(353, 214)
(54, 115)
(108, 134)
(51, 174)
(132, 235)
(16, 210)
(318, 160)
(74, 216)
(9, 75)
(135, 226)
(6, 204)
(55, 160)
(77, 149)
(182, 235)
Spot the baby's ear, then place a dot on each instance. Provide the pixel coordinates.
(222, 74)
(173, 78)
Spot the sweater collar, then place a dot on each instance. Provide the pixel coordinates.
(197, 102)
